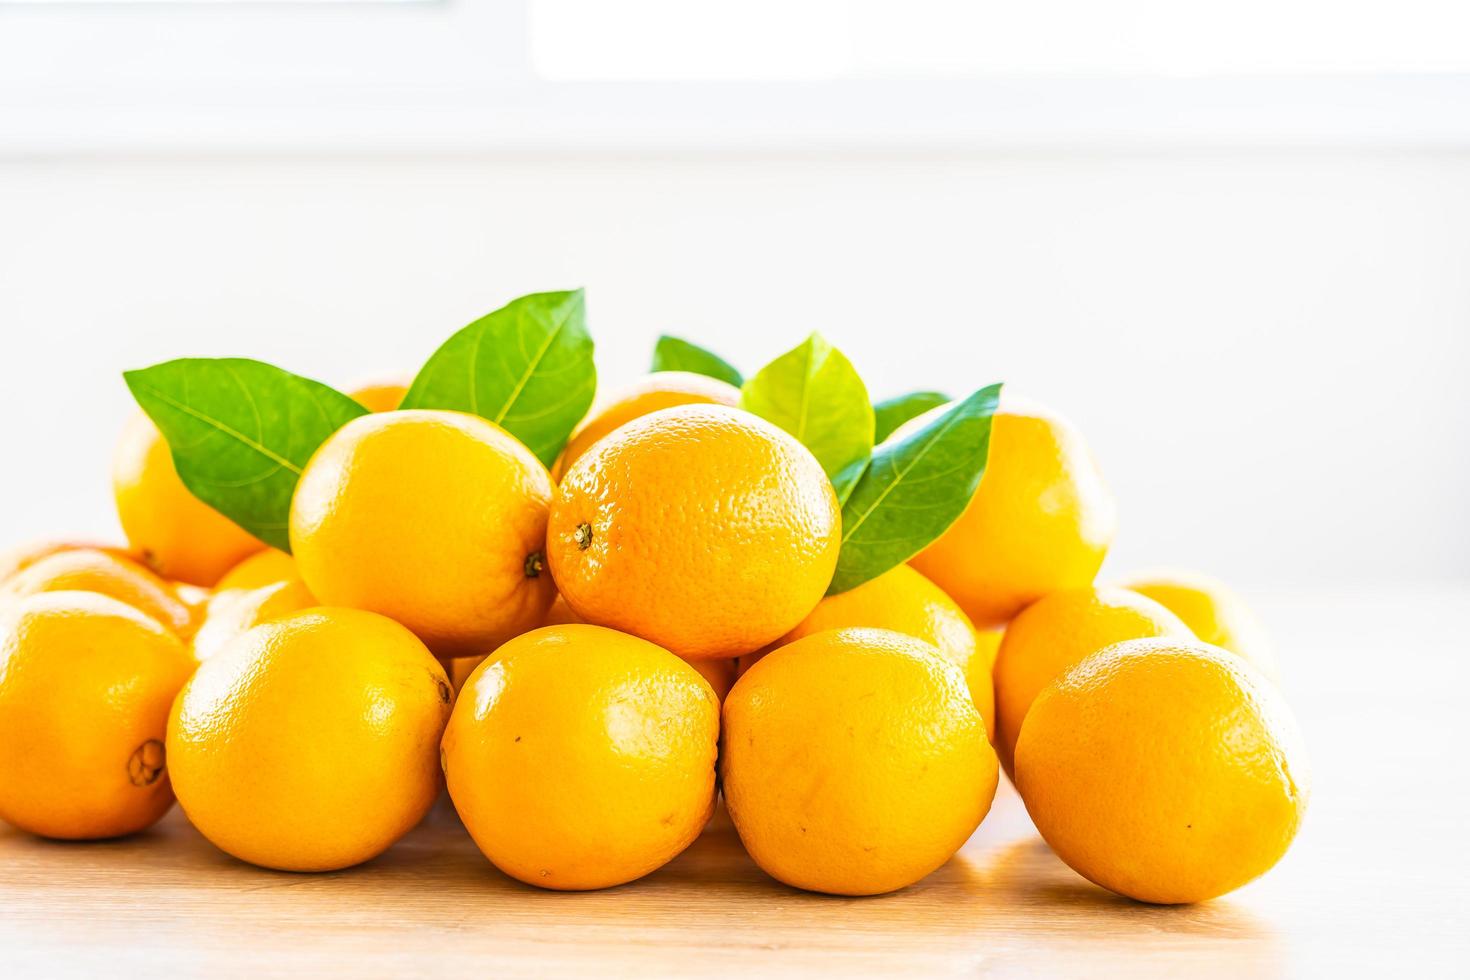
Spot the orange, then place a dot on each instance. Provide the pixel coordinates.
(854, 761)
(460, 669)
(1212, 610)
(18, 559)
(718, 674)
(83, 570)
(560, 614)
(701, 528)
(196, 597)
(383, 396)
(231, 612)
(662, 389)
(85, 688)
(1059, 631)
(310, 743)
(435, 519)
(980, 675)
(579, 757)
(1041, 519)
(987, 648)
(906, 602)
(1166, 770)
(177, 534)
(262, 568)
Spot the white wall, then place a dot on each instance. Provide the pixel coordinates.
(1265, 348)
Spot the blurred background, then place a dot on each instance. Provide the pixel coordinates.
(1230, 239)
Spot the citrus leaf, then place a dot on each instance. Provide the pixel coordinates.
(914, 488)
(527, 367)
(846, 479)
(673, 354)
(813, 392)
(240, 432)
(893, 412)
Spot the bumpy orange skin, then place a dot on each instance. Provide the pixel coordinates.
(231, 612)
(579, 757)
(178, 535)
(1061, 630)
(662, 389)
(260, 569)
(906, 602)
(854, 762)
(83, 570)
(1212, 610)
(85, 688)
(435, 519)
(1040, 521)
(703, 529)
(310, 743)
(379, 397)
(1169, 771)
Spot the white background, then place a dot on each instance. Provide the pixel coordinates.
(1250, 290)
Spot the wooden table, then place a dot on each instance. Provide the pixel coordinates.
(1376, 884)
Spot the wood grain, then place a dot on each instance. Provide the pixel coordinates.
(1376, 883)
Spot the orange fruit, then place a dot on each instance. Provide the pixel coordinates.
(980, 675)
(1212, 610)
(459, 670)
(231, 612)
(854, 761)
(718, 674)
(906, 602)
(560, 614)
(196, 597)
(18, 559)
(1163, 769)
(1061, 630)
(384, 396)
(434, 519)
(701, 528)
(83, 570)
(177, 534)
(1040, 521)
(987, 648)
(310, 743)
(262, 568)
(85, 687)
(579, 757)
(662, 389)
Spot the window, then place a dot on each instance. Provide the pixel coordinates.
(156, 74)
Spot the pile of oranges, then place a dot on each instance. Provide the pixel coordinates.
(588, 655)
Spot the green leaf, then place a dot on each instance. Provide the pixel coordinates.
(846, 479)
(893, 412)
(240, 433)
(673, 354)
(913, 490)
(813, 392)
(527, 367)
